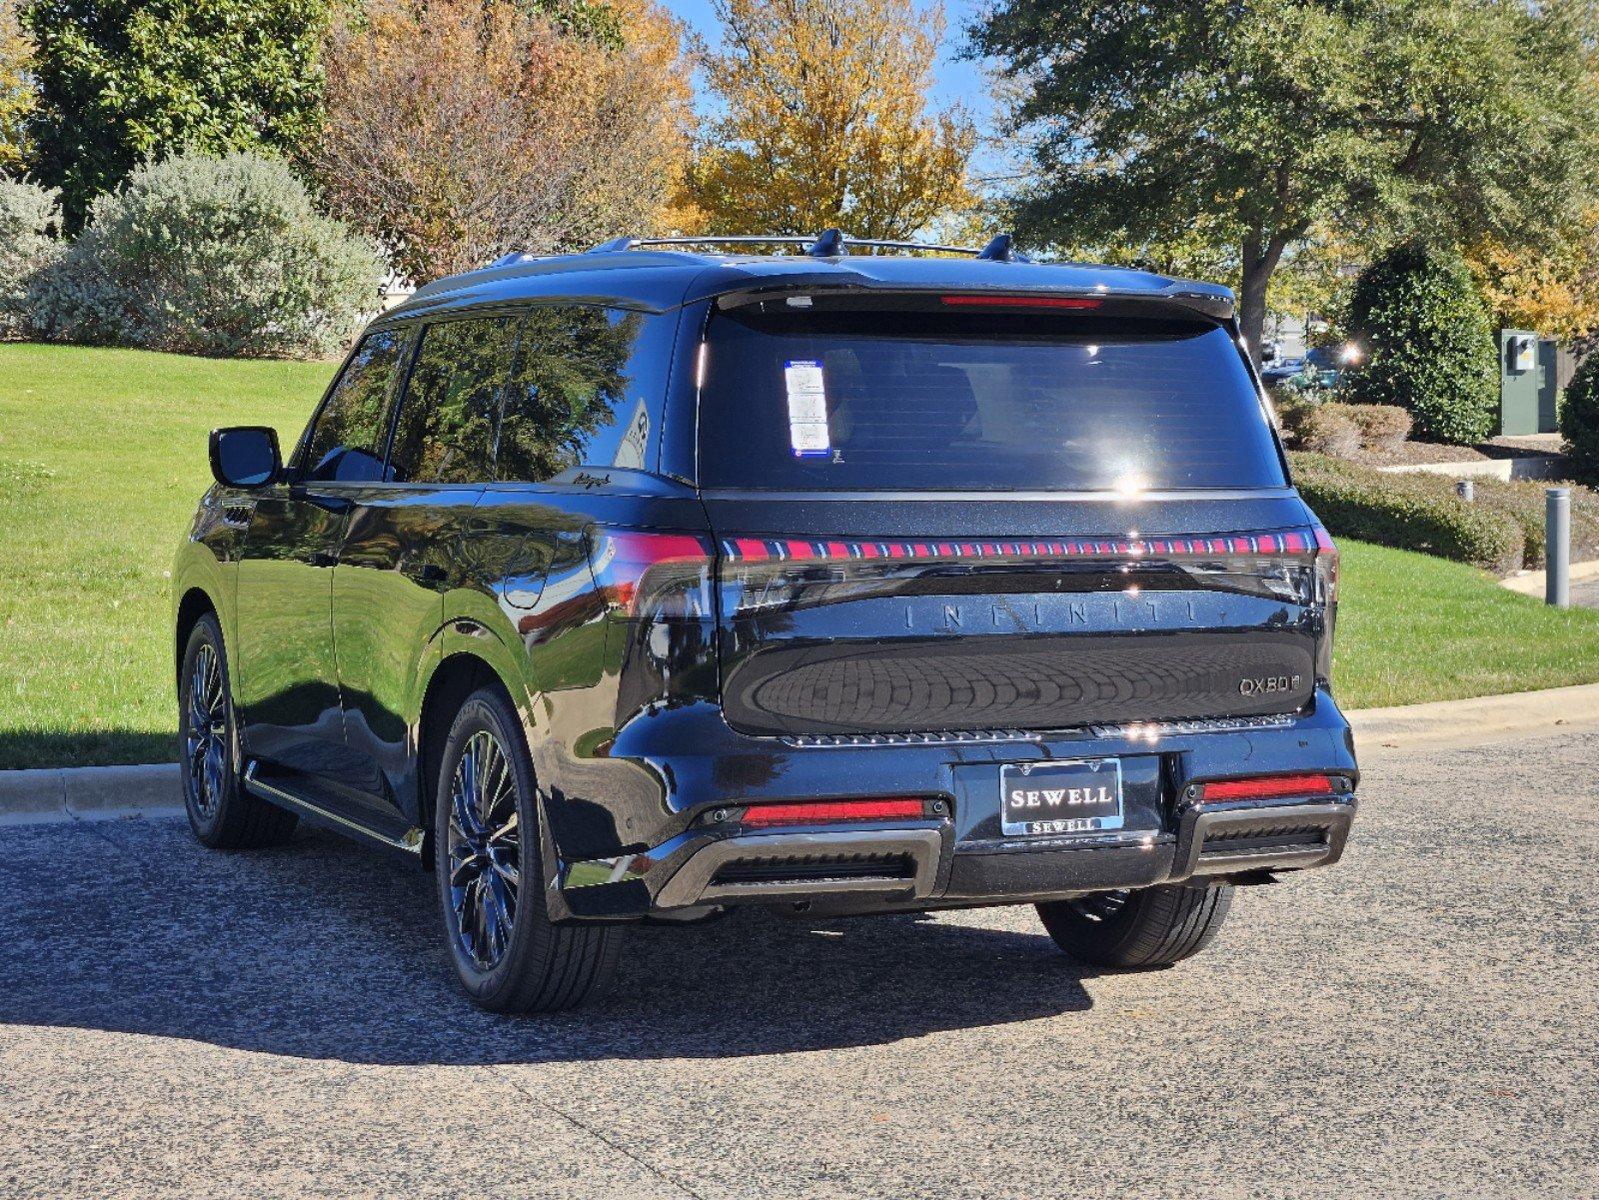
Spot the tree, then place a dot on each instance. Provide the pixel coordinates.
(17, 93)
(1267, 118)
(121, 81)
(1554, 292)
(1428, 342)
(457, 131)
(824, 121)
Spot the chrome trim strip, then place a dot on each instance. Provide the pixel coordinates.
(1332, 816)
(691, 884)
(946, 738)
(890, 496)
(1137, 731)
(1142, 731)
(411, 843)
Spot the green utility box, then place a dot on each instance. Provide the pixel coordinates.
(1527, 385)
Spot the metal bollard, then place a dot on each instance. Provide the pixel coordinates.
(1557, 534)
(1466, 489)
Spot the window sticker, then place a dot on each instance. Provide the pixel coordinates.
(807, 408)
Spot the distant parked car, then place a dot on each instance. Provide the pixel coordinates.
(642, 584)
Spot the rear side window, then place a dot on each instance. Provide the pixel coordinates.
(445, 433)
(346, 443)
(838, 395)
(586, 391)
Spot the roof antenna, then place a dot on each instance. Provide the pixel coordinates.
(1002, 249)
(828, 244)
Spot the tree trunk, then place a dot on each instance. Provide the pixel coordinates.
(1260, 258)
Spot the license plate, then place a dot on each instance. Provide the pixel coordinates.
(1079, 796)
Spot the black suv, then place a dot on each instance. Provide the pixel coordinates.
(648, 582)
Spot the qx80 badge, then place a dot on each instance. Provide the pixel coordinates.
(1265, 685)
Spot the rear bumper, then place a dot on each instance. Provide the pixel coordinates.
(922, 866)
(692, 857)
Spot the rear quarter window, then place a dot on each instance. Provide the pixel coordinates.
(916, 397)
(586, 390)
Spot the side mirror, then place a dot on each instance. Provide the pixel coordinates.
(245, 456)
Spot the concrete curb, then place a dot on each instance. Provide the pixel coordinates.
(1480, 718)
(52, 793)
(1532, 583)
(88, 793)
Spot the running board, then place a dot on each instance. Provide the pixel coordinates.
(410, 844)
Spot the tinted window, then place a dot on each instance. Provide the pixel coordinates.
(347, 441)
(445, 432)
(932, 399)
(586, 391)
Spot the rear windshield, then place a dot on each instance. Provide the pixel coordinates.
(800, 395)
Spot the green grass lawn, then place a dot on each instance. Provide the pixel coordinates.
(1412, 628)
(102, 457)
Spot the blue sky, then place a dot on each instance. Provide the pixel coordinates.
(955, 80)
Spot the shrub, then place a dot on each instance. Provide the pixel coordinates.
(1293, 409)
(1410, 511)
(222, 256)
(1429, 343)
(1381, 426)
(28, 215)
(1579, 419)
(1325, 429)
(1524, 502)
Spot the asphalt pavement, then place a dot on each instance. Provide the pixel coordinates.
(1419, 1021)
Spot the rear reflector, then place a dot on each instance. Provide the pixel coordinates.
(833, 810)
(1076, 302)
(1266, 787)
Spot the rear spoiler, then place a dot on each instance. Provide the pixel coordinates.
(1208, 300)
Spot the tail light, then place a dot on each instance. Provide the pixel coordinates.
(1326, 599)
(660, 617)
(653, 575)
(1266, 787)
(770, 573)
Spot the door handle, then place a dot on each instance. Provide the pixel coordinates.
(323, 558)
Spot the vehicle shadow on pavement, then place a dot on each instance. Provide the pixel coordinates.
(324, 950)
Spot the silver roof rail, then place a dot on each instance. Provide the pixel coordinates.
(830, 243)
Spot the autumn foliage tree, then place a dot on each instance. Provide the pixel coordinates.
(458, 130)
(16, 90)
(824, 121)
(1555, 291)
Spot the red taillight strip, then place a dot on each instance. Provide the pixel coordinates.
(1293, 541)
(1266, 787)
(1072, 302)
(822, 811)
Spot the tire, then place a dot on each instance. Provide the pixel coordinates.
(222, 814)
(509, 956)
(1150, 927)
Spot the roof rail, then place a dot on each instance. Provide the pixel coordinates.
(830, 243)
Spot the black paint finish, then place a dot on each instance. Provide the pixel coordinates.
(661, 681)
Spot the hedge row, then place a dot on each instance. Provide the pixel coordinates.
(1502, 531)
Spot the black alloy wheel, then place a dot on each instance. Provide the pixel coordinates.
(509, 955)
(221, 813)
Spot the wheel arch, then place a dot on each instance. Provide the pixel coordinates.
(195, 603)
(461, 670)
